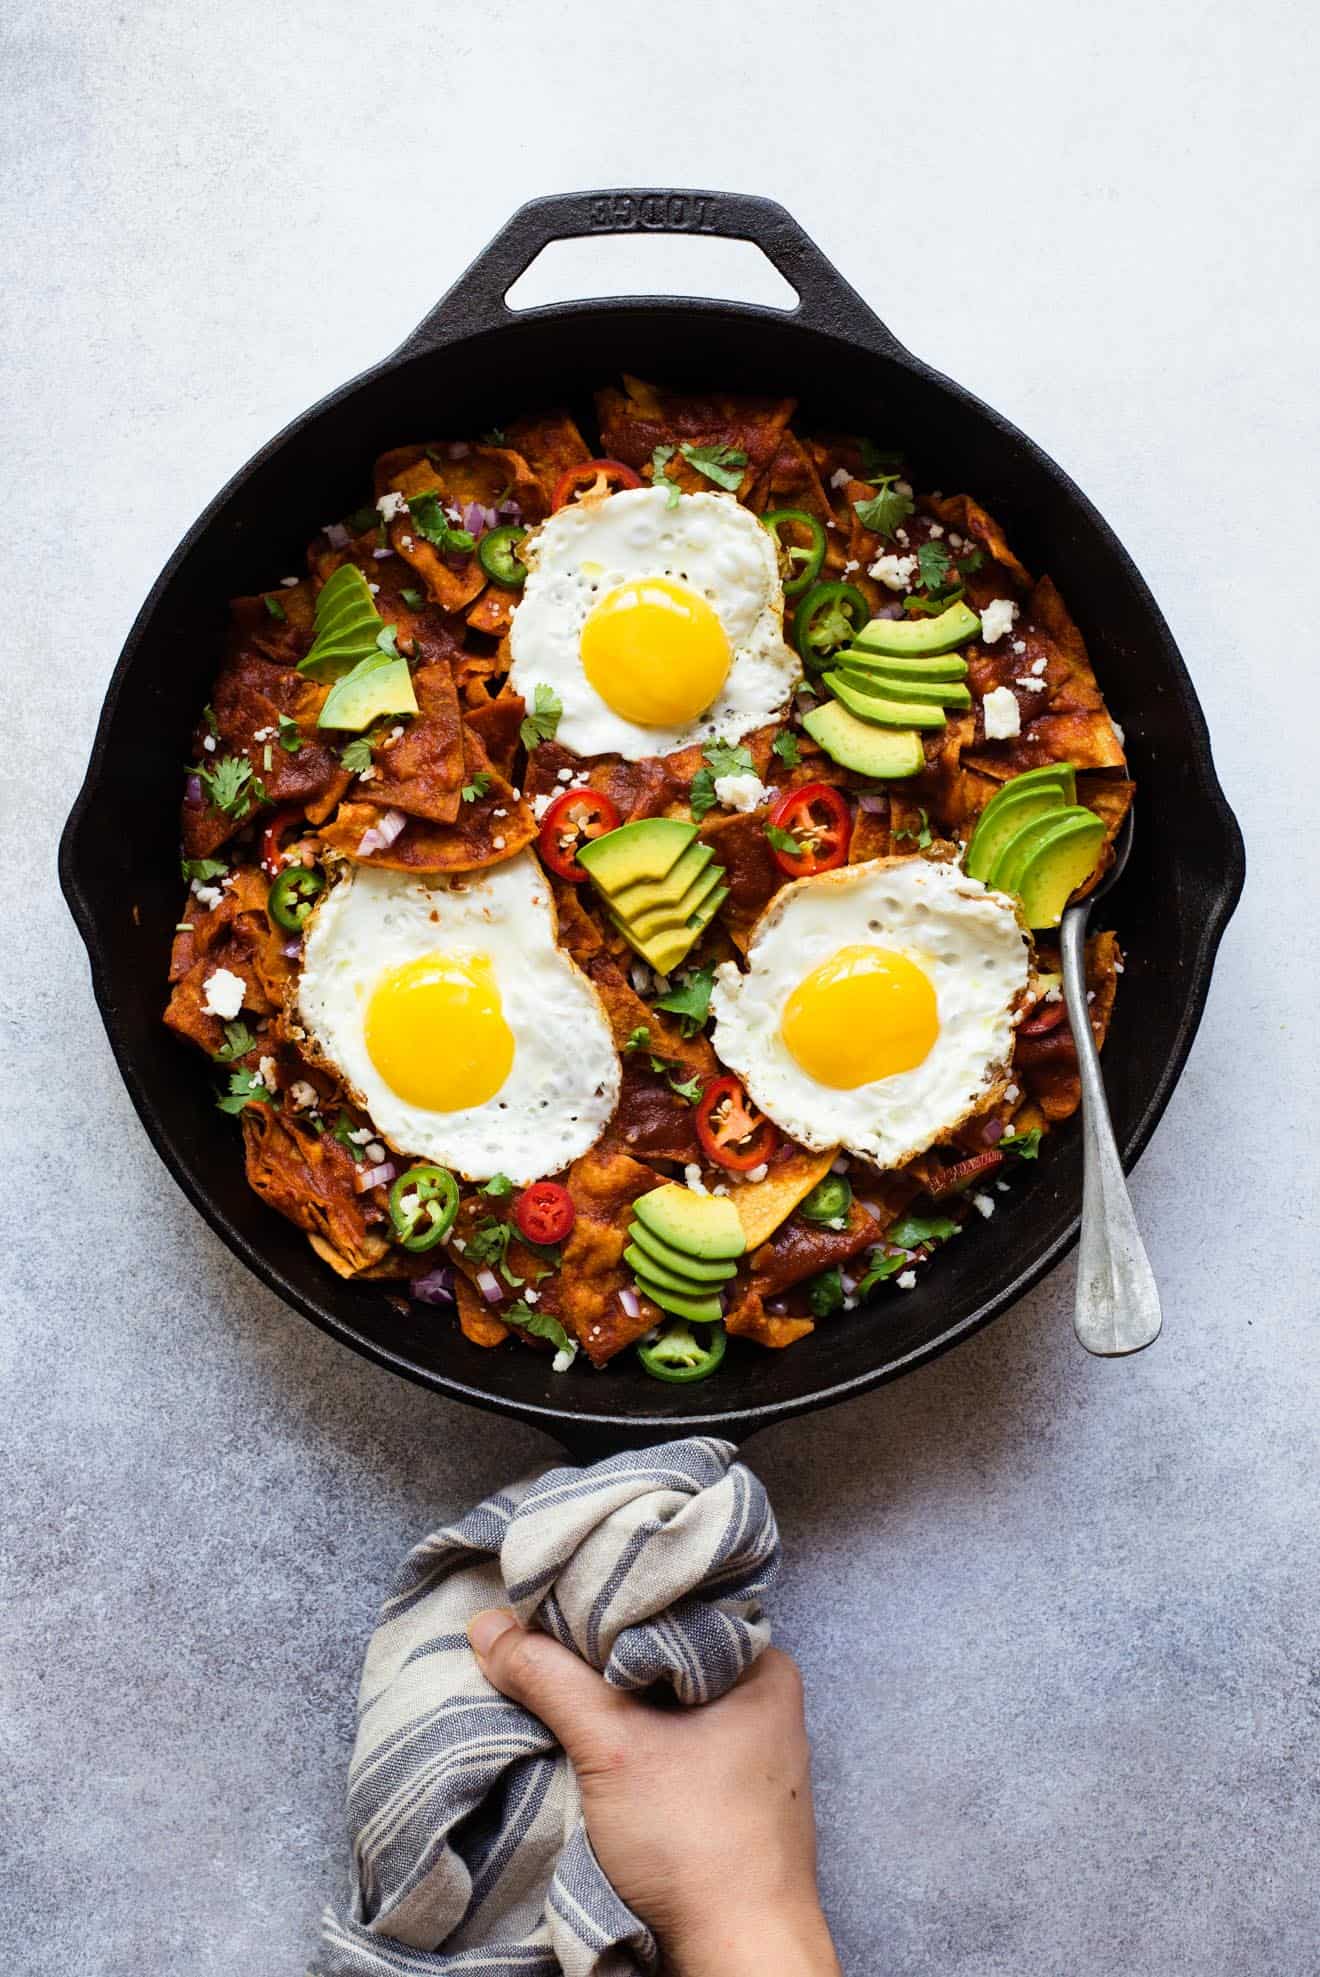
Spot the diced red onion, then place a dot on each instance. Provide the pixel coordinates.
(374, 1177)
(474, 518)
(489, 1286)
(891, 611)
(436, 1287)
(839, 1166)
(381, 835)
(872, 1209)
(192, 790)
(459, 449)
(381, 554)
(992, 1131)
(292, 949)
(849, 1284)
(875, 803)
(336, 535)
(454, 512)
(631, 1306)
(777, 1310)
(510, 510)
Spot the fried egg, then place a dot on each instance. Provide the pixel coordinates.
(657, 625)
(467, 1035)
(878, 1005)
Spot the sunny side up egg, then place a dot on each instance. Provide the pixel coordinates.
(467, 1035)
(657, 625)
(877, 1007)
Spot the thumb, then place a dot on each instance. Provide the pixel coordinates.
(575, 1703)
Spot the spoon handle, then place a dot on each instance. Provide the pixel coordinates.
(1118, 1305)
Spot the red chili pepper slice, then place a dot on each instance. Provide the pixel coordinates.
(593, 477)
(272, 848)
(544, 1212)
(575, 816)
(731, 1131)
(1046, 1016)
(818, 817)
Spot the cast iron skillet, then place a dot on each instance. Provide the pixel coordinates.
(473, 363)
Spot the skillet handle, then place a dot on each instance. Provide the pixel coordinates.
(825, 300)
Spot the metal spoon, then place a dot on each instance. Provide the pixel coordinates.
(1117, 1309)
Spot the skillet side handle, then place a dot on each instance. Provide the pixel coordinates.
(825, 300)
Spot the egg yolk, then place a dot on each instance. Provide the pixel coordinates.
(866, 1013)
(435, 1031)
(655, 652)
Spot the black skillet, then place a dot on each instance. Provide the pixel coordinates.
(474, 363)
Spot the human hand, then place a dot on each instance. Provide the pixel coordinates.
(701, 1818)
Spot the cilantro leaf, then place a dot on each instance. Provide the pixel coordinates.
(498, 1187)
(701, 796)
(785, 746)
(477, 788)
(876, 463)
(971, 562)
(276, 609)
(231, 786)
(540, 1324)
(290, 737)
(933, 606)
(721, 760)
(921, 838)
(934, 562)
(357, 755)
(692, 1001)
(825, 1293)
(414, 599)
(495, 437)
(435, 527)
(363, 519)
(343, 1132)
(489, 1243)
(883, 1268)
(542, 724)
(239, 1040)
(914, 1230)
(203, 869)
(638, 1039)
(688, 1088)
(245, 1088)
(781, 840)
(886, 509)
(1025, 1145)
(721, 464)
(660, 459)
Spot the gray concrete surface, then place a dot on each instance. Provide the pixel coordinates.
(1057, 1617)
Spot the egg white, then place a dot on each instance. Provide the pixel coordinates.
(710, 543)
(971, 945)
(563, 1086)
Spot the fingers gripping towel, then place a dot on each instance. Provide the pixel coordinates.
(469, 1849)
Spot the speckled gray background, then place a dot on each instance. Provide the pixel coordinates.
(1057, 1617)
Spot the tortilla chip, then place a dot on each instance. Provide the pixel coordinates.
(969, 518)
(309, 1179)
(634, 421)
(550, 443)
(763, 1205)
(422, 772)
(478, 836)
(476, 1318)
(604, 1187)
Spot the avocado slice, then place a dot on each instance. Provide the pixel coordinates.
(377, 686)
(699, 1310)
(929, 693)
(660, 1260)
(882, 753)
(700, 1225)
(908, 636)
(1003, 817)
(1013, 859)
(1056, 863)
(1062, 773)
(941, 666)
(631, 902)
(883, 708)
(663, 1256)
(347, 625)
(644, 1266)
(680, 912)
(647, 849)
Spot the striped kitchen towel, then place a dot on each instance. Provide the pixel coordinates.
(469, 1849)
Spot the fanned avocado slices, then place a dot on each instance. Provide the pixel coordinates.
(347, 626)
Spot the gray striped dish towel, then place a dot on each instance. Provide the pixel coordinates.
(469, 1849)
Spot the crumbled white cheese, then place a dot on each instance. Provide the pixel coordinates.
(394, 735)
(1002, 720)
(1002, 1187)
(407, 541)
(367, 775)
(208, 743)
(336, 535)
(267, 1073)
(289, 583)
(565, 775)
(1011, 1095)
(382, 555)
(901, 535)
(302, 1096)
(850, 1303)
(392, 507)
(374, 588)
(903, 487)
(375, 1152)
(955, 540)
(997, 618)
(563, 1359)
(541, 803)
(758, 1173)
(936, 531)
(840, 477)
(498, 843)
(1122, 738)
(210, 896)
(224, 994)
(1020, 645)
(692, 1175)
(851, 565)
(896, 572)
(983, 1205)
(742, 792)
(1053, 994)
(1038, 667)
(530, 1296)
(263, 734)
(1031, 685)
(906, 1280)
(360, 1135)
